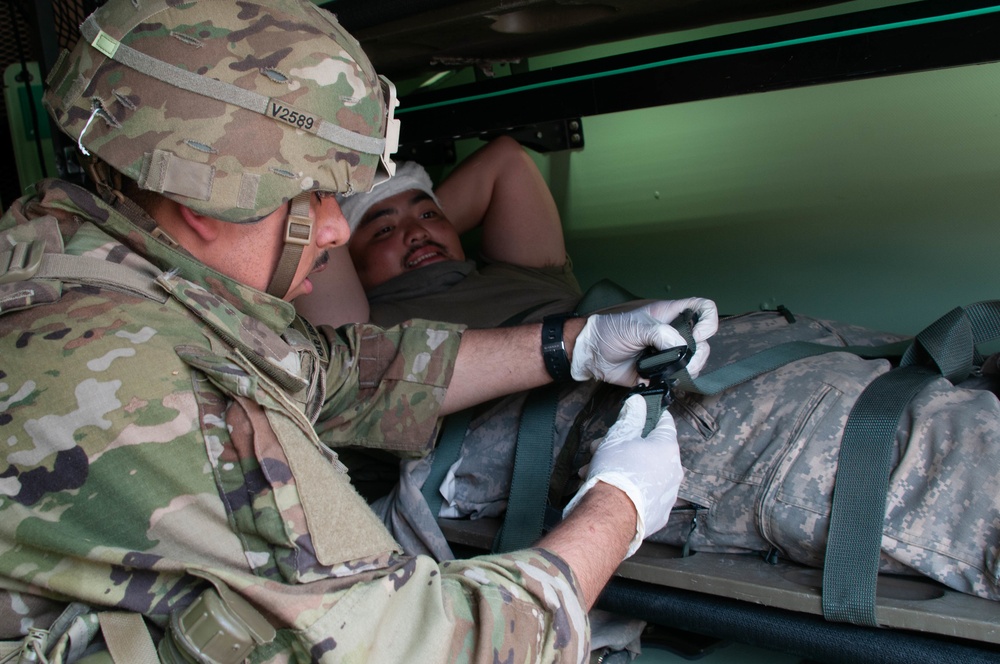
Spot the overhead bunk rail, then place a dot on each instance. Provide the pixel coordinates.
(907, 38)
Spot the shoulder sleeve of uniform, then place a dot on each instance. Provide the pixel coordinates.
(385, 387)
(518, 607)
(534, 594)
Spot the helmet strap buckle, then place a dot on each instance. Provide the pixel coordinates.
(299, 227)
(298, 234)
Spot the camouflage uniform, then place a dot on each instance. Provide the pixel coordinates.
(152, 437)
(760, 459)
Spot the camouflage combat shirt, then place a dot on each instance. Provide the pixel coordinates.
(168, 430)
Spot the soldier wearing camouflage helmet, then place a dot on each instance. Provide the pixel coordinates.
(167, 417)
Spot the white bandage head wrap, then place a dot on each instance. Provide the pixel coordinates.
(409, 176)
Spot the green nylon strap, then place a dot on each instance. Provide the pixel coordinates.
(770, 359)
(529, 484)
(949, 343)
(654, 409)
(850, 567)
(946, 348)
(445, 455)
(524, 518)
(523, 521)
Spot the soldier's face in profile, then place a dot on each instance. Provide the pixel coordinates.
(250, 252)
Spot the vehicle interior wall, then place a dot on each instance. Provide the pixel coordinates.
(873, 201)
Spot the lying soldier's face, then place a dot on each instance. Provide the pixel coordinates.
(401, 233)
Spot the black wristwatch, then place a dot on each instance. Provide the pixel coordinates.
(553, 347)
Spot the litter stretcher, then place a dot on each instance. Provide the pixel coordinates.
(846, 612)
(744, 598)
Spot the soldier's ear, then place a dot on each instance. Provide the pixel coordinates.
(205, 227)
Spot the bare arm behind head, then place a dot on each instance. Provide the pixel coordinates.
(500, 189)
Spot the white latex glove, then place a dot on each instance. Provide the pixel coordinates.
(608, 345)
(647, 469)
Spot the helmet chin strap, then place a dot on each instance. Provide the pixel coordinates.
(298, 234)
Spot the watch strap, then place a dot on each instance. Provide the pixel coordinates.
(554, 348)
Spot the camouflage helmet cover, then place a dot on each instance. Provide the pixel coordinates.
(230, 108)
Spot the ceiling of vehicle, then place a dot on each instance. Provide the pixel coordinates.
(407, 39)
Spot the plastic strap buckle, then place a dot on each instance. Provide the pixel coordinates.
(658, 367)
(21, 262)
